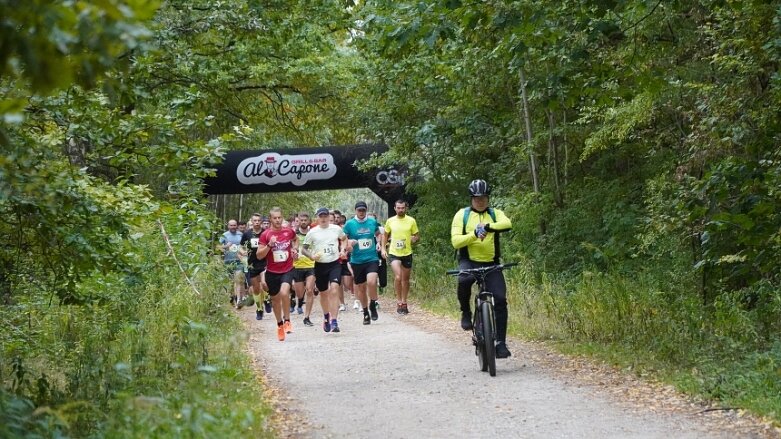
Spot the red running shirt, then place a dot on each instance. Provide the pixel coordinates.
(279, 256)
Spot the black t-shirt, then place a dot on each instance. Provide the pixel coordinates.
(249, 240)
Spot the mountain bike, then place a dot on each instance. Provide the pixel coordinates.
(483, 319)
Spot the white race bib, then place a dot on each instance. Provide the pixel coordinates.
(253, 242)
(280, 255)
(363, 244)
(399, 244)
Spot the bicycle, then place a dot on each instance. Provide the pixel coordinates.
(483, 319)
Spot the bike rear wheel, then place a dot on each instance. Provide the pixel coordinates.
(489, 337)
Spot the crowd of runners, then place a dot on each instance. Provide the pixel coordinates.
(282, 265)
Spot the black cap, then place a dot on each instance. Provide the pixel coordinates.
(322, 211)
(361, 205)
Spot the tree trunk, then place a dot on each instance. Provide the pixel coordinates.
(530, 145)
(529, 137)
(553, 154)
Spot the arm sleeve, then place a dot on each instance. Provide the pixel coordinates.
(502, 224)
(457, 237)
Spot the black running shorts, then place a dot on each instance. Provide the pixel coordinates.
(360, 271)
(275, 281)
(327, 273)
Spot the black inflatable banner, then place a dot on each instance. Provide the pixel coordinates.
(305, 169)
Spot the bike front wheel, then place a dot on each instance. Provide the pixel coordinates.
(479, 340)
(489, 337)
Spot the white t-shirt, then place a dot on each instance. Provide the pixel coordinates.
(324, 241)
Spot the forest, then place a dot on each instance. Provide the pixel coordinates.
(634, 144)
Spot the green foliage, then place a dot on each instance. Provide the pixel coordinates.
(147, 353)
(654, 230)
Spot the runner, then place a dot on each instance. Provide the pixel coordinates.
(230, 243)
(256, 266)
(304, 272)
(279, 246)
(401, 231)
(264, 225)
(362, 233)
(322, 244)
(382, 274)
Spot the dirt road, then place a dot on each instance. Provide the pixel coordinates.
(416, 376)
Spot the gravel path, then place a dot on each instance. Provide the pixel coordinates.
(417, 376)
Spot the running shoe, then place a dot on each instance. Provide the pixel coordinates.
(288, 326)
(300, 310)
(342, 307)
(357, 305)
(501, 350)
(367, 320)
(281, 332)
(240, 303)
(267, 305)
(326, 326)
(399, 309)
(334, 326)
(233, 300)
(373, 310)
(258, 314)
(466, 321)
(292, 309)
(405, 310)
(308, 322)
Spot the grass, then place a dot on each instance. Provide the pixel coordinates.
(724, 352)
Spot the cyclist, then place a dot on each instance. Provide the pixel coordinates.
(474, 232)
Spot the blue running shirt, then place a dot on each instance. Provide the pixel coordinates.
(365, 250)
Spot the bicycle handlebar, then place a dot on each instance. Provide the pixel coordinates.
(482, 269)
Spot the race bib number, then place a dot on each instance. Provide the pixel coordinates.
(280, 255)
(253, 242)
(399, 244)
(329, 250)
(364, 244)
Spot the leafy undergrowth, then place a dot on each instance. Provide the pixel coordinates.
(146, 354)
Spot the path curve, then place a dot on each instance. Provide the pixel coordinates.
(416, 376)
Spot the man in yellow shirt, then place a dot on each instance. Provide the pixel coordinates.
(401, 231)
(474, 232)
